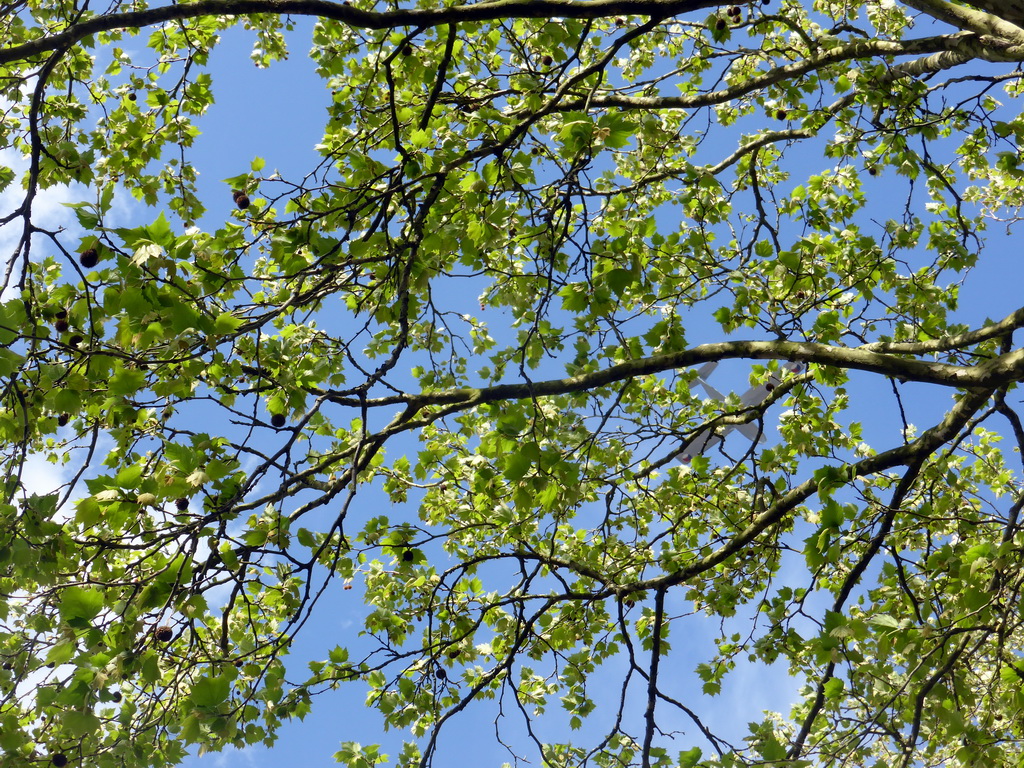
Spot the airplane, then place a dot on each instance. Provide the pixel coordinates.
(710, 437)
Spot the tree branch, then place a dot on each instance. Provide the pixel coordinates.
(1010, 323)
(858, 49)
(989, 375)
(998, 18)
(905, 455)
(340, 11)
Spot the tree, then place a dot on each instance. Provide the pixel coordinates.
(488, 302)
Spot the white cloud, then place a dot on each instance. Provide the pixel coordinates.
(48, 207)
(40, 477)
(49, 212)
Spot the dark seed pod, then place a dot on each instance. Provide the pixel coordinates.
(546, 60)
(780, 114)
(720, 24)
(181, 504)
(277, 420)
(116, 696)
(132, 96)
(163, 633)
(62, 314)
(75, 340)
(407, 556)
(407, 50)
(61, 325)
(242, 201)
(62, 420)
(59, 760)
(734, 10)
(440, 674)
(89, 258)
(236, 193)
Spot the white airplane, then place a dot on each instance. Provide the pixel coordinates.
(709, 438)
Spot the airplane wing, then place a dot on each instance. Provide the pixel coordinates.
(713, 393)
(706, 439)
(702, 441)
(706, 370)
(757, 394)
(749, 430)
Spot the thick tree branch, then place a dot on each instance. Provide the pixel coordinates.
(421, 409)
(906, 455)
(1002, 19)
(858, 49)
(340, 11)
(1008, 324)
(912, 455)
(988, 375)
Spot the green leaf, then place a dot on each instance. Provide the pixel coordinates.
(12, 319)
(616, 130)
(619, 280)
(575, 297)
(883, 620)
(420, 139)
(832, 514)
(209, 692)
(86, 214)
(217, 469)
(126, 382)
(159, 232)
(129, 476)
(518, 463)
(226, 323)
(834, 688)
(80, 603)
(80, 724)
(88, 512)
(150, 668)
(690, 757)
(61, 653)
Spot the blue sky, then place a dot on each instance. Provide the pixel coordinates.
(278, 114)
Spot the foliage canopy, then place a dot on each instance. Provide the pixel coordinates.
(531, 221)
